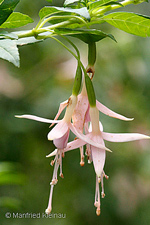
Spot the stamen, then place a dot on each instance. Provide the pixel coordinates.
(82, 156)
(60, 163)
(49, 208)
(54, 178)
(97, 197)
(63, 154)
(104, 175)
(88, 153)
(53, 161)
(102, 185)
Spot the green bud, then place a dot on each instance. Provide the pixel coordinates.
(77, 81)
(90, 91)
(91, 53)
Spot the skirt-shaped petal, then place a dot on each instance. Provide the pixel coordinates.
(98, 155)
(61, 143)
(58, 131)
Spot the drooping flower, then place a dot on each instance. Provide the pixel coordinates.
(98, 155)
(60, 134)
(81, 117)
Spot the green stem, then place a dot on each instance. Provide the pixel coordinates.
(43, 22)
(101, 11)
(35, 32)
(88, 82)
(77, 58)
(73, 45)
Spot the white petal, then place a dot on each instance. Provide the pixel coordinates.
(40, 119)
(52, 153)
(87, 139)
(74, 145)
(114, 137)
(61, 143)
(61, 108)
(58, 131)
(98, 156)
(110, 113)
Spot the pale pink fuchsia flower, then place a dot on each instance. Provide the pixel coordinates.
(98, 155)
(81, 117)
(60, 134)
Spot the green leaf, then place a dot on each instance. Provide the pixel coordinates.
(130, 22)
(68, 2)
(16, 19)
(49, 1)
(85, 35)
(9, 51)
(5, 34)
(6, 8)
(49, 10)
(26, 41)
(99, 3)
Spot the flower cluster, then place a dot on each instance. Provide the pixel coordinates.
(82, 118)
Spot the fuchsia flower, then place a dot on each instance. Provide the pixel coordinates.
(81, 116)
(96, 154)
(89, 131)
(60, 134)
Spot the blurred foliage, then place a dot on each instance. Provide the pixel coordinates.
(45, 78)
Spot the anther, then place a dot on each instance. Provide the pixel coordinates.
(81, 163)
(52, 163)
(53, 182)
(98, 211)
(103, 194)
(106, 176)
(61, 175)
(48, 211)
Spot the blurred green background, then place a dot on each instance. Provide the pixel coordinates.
(44, 79)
